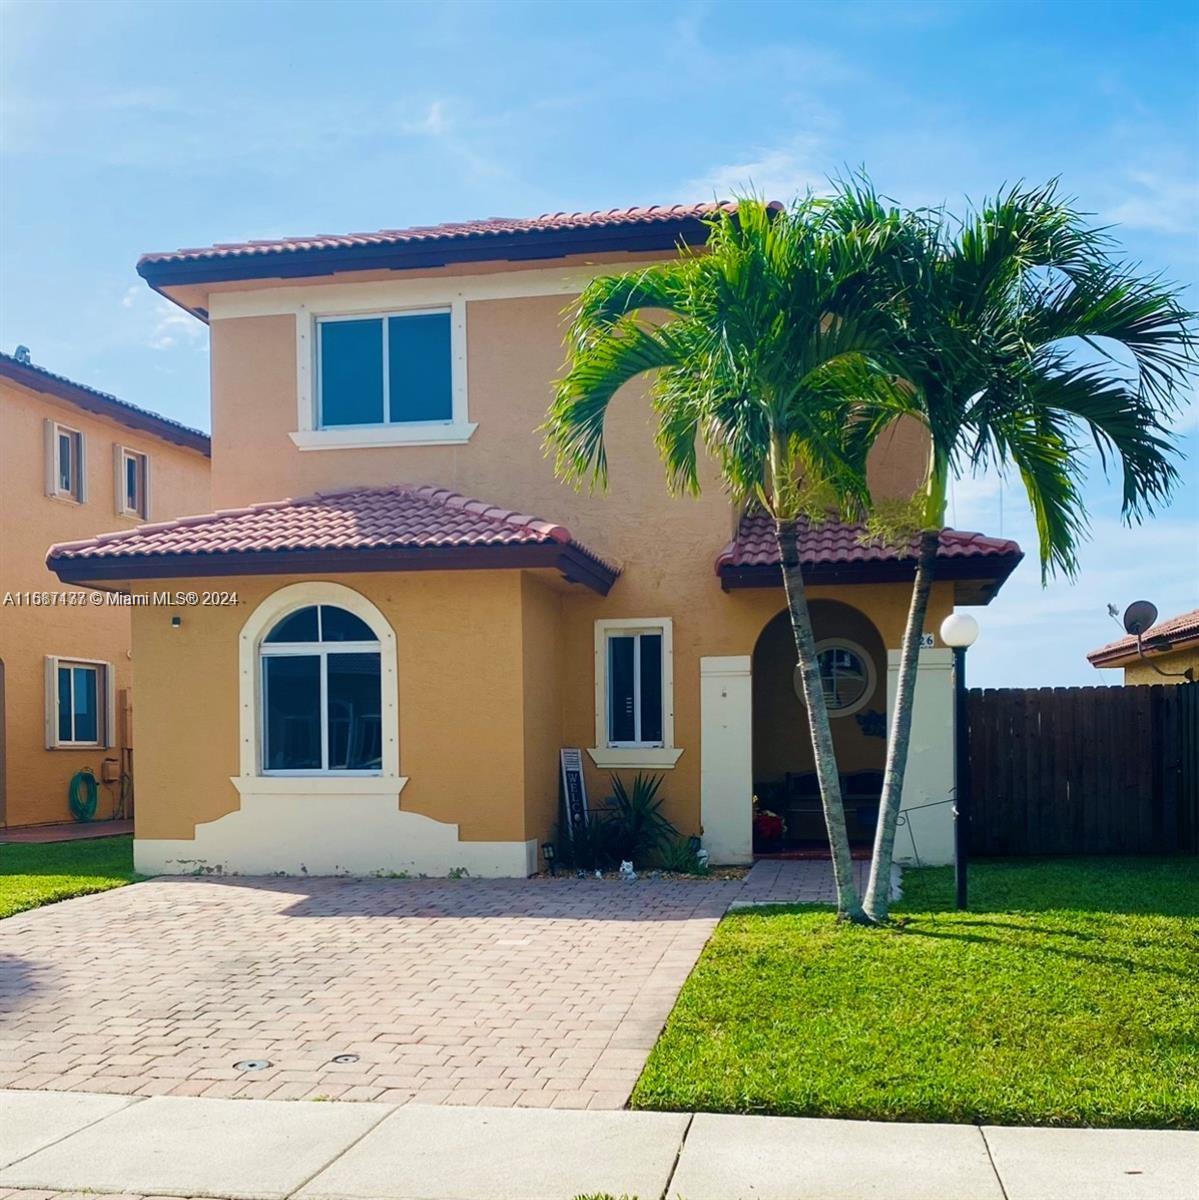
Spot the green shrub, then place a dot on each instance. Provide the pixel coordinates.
(588, 850)
(679, 856)
(636, 826)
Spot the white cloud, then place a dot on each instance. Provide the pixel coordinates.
(781, 173)
(158, 324)
(1159, 202)
(435, 121)
(173, 327)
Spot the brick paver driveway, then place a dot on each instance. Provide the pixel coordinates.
(531, 992)
(501, 991)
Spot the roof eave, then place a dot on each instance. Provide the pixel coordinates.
(524, 246)
(978, 580)
(1126, 656)
(35, 380)
(574, 563)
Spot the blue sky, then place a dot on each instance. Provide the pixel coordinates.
(130, 127)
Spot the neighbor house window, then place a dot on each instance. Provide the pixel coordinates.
(65, 467)
(78, 703)
(847, 676)
(132, 483)
(394, 369)
(321, 694)
(634, 718)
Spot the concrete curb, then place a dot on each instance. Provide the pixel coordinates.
(57, 1142)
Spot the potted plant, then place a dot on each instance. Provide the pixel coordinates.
(768, 829)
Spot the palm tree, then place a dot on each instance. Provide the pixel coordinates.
(1020, 336)
(771, 336)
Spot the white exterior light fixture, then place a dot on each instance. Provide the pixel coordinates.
(959, 630)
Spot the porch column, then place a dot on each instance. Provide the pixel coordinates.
(726, 758)
(927, 834)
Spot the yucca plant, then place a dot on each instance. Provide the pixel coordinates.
(635, 827)
(679, 856)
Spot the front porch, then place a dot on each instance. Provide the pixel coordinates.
(760, 797)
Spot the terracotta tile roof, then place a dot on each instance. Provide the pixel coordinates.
(836, 552)
(1165, 635)
(836, 542)
(488, 228)
(91, 399)
(390, 528)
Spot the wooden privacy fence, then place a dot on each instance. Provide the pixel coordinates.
(1091, 770)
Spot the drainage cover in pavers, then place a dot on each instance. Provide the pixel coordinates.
(345, 1058)
(251, 1064)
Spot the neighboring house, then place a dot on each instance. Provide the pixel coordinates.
(1170, 646)
(73, 462)
(395, 656)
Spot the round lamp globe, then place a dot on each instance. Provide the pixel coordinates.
(959, 630)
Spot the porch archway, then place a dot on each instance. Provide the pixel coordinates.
(854, 671)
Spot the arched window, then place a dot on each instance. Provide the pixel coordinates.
(321, 694)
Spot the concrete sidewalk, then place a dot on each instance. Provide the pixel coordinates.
(54, 1143)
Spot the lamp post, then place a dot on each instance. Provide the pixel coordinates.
(959, 631)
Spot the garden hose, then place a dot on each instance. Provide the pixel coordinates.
(82, 794)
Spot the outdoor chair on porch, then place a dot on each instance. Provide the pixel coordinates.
(804, 812)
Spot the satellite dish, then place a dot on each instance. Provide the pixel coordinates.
(1139, 616)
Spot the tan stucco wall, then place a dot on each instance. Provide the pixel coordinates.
(495, 676)
(1176, 661)
(544, 678)
(461, 695)
(37, 778)
(706, 622)
(514, 351)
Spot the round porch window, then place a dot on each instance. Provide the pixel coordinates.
(846, 674)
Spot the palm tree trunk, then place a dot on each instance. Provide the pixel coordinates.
(878, 887)
(849, 906)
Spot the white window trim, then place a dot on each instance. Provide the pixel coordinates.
(54, 429)
(121, 455)
(606, 754)
(309, 436)
(105, 702)
(840, 643)
(253, 780)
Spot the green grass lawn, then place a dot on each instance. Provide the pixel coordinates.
(1068, 995)
(33, 875)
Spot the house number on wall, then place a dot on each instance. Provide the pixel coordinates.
(926, 641)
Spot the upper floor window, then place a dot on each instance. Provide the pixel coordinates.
(394, 369)
(132, 483)
(66, 471)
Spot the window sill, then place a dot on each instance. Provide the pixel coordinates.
(661, 758)
(319, 785)
(358, 437)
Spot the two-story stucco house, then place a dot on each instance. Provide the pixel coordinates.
(74, 461)
(410, 616)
